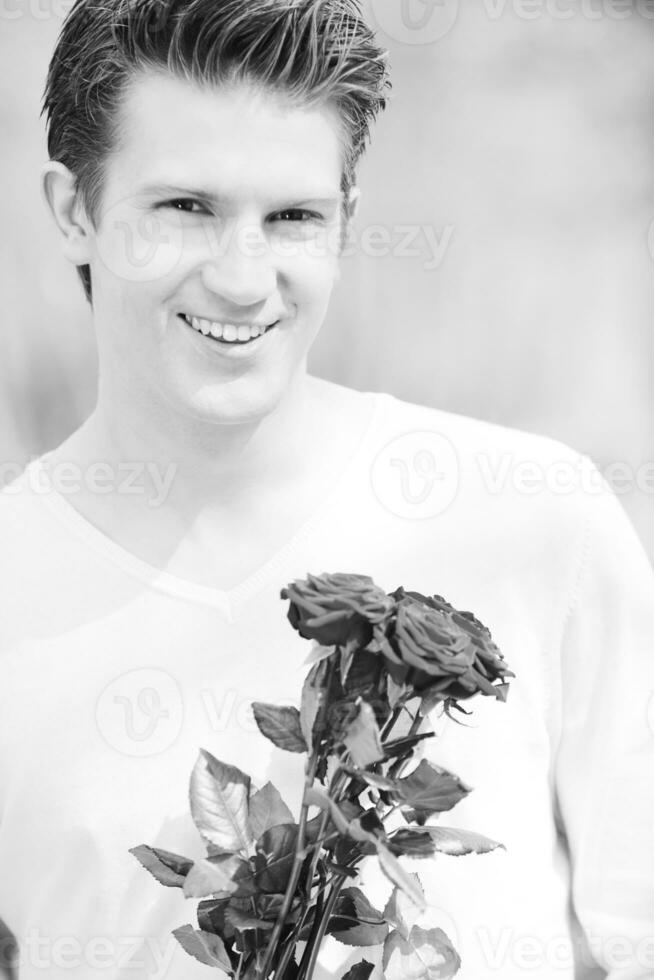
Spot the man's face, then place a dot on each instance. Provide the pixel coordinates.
(221, 209)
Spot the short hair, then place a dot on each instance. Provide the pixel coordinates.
(313, 51)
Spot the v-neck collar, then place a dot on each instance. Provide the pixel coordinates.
(231, 601)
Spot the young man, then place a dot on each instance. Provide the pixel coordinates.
(202, 175)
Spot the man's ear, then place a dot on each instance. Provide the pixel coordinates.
(58, 188)
(350, 209)
(352, 204)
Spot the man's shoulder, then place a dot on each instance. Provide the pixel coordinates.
(21, 497)
(32, 557)
(530, 495)
(22, 512)
(471, 436)
(30, 531)
(523, 480)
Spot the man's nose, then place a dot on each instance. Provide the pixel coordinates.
(241, 268)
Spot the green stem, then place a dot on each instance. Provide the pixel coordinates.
(318, 911)
(390, 724)
(290, 943)
(415, 725)
(287, 954)
(338, 782)
(322, 913)
(310, 875)
(300, 850)
(396, 768)
(310, 956)
(334, 789)
(293, 877)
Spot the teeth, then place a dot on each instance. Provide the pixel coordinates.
(228, 331)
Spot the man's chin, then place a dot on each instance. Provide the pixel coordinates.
(239, 400)
(229, 407)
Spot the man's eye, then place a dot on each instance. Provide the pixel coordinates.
(297, 214)
(185, 204)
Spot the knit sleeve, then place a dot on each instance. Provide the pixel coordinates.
(604, 763)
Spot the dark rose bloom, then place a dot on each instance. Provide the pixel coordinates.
(440, 651)
(337, 609)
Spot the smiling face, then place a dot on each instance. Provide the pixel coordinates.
(220, 216)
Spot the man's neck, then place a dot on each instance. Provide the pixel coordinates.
(214, 511)
(206, 464)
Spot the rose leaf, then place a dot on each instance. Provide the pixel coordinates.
(426, 955)
(364, 673)
(377, 780)
(355, 922)
(449, 840)
(395, 692)
(242, 922)
(267, 809)
(204, 946)
(318, 653)
(169, 869)
(360, 971)
(412, 842)
(429, 789)
(214, 878)
(400, 911)
(401, 746)
(219, 803)
(280, 724)
(313, 693)
(363, 738)
(275, 853)
(211, 915)
(396, 873)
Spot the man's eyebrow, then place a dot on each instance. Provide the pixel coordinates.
(320, 197)
(175, 190)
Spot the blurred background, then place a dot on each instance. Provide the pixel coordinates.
(505, 262)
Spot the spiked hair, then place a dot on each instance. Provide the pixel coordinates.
(312, 51)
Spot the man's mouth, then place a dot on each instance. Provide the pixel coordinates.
(228, 334)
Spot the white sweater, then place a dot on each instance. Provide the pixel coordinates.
(114, 674)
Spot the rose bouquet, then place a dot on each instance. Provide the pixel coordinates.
(271, 887)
